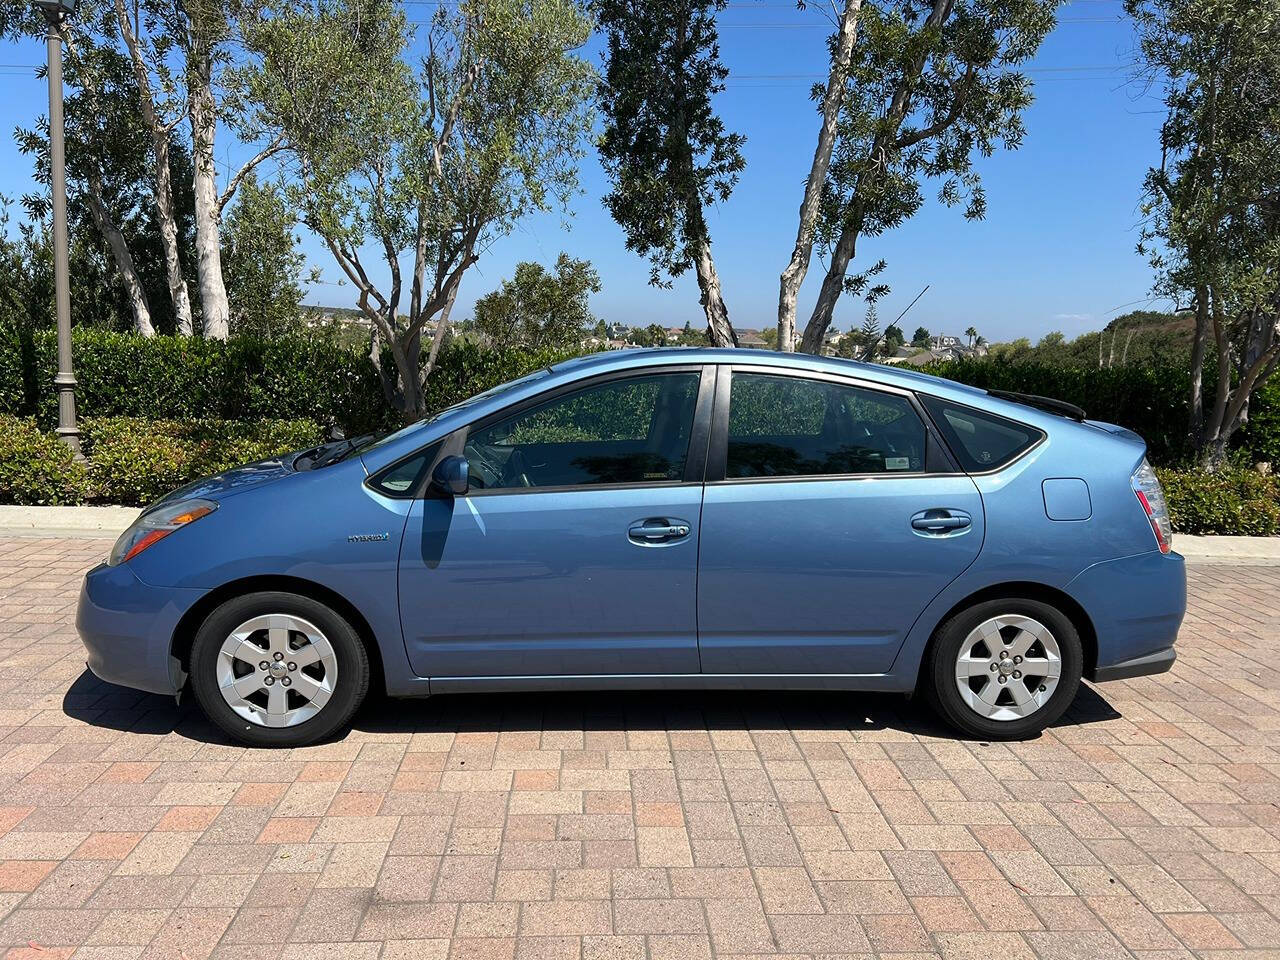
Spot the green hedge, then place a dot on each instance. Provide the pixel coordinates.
(245, 378)
(135, 461)
(36, 468)
(1151, 400)
(1237, 501)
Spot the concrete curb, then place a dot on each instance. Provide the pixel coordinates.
(59, 522)
(109, 522)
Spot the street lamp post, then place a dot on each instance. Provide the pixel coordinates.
(55, 11)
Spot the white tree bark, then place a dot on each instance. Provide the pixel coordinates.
(123, 259)
(214, 307)
(719, 329)
(794, 274)
(162, 186)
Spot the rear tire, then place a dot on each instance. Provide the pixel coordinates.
(973, 682)
(277, 669)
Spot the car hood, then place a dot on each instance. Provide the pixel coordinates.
(233, 481)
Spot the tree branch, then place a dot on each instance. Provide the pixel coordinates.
(270, 150)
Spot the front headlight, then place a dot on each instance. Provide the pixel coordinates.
(156, 525)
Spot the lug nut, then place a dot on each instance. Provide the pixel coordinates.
(263, 665)
(1017, 674)
(994, 667)
(270, 680)
(1043, 688)
(278, 656)
(286, 681)
(292, 665)
(1017, 659)
(1002, 679)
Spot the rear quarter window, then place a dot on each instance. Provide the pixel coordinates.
(980, 440)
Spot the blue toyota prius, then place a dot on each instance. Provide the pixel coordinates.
(659, 519)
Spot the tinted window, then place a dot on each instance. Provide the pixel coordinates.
(786, 427)
(622, 431)
(980, 440)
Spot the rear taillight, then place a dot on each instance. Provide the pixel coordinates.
(1147, 489)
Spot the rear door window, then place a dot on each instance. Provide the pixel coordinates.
(794, 427)
(981, 441)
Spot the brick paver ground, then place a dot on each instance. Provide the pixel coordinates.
(645, 826)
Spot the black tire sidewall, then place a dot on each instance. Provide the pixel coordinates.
(941, 681)
(353, 669)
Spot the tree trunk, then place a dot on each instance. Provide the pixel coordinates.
(1195, 420)
(794, 274)
(162, 187)
(174, 273)
(123, 260)
(832, 286)
(719, 329)
(204, 122)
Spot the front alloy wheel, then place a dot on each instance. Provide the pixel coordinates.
(278, 669)
(1004, 669)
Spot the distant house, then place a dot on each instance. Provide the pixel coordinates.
(751, 339)
(943, 340)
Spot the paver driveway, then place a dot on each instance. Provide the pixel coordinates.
(642, 826)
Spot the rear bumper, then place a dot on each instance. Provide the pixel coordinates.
(127, 628)
(1136, 604)
(1143, 666)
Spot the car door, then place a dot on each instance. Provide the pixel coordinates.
(831, 518)
(574, 553)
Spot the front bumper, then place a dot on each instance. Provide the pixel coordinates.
(1136, 604)
(127, 628)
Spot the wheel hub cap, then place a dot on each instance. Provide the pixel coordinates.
(1008, 667)
(277, 670)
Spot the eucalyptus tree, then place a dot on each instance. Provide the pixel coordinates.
(1213, 204)
(429, 158)
(666, 151)
(831, 96)
(931, 83)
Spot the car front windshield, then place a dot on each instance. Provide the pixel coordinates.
(460, 405)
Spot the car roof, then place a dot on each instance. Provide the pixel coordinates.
(648, 356)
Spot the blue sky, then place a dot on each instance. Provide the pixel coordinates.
(1056, 251)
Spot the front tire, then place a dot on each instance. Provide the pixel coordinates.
(1004, 669)
(277, 669)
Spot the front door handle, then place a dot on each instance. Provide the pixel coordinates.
(940, 521)
(656, 531)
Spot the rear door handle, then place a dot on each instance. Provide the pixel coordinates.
(940, 520)
(657, 531)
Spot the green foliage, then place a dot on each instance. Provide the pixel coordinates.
(537, 310)
(434, 155)
(36, 468)
(261, 263)
(920, 338)
(1210, 227)
(666, 152)
(1232, 501)
(134, 461)
(654, 335)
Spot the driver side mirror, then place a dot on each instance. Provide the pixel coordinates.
(452, 475)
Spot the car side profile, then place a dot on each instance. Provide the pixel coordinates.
(659, 519)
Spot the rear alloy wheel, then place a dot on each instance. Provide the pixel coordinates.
(278, 669)
(1004, 669)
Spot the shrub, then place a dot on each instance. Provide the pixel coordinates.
(1233, 501)
(135, 461)
(36, 467)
